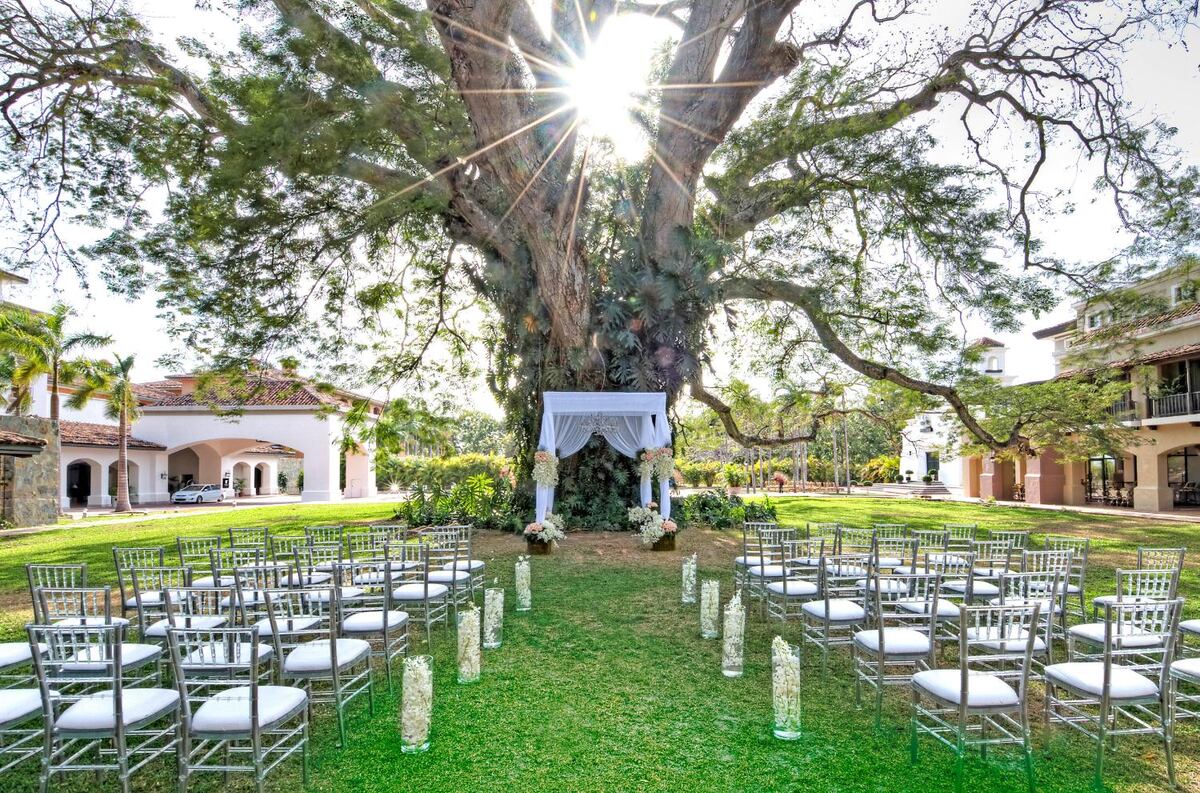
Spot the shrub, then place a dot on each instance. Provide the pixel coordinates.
(735, 475)
(927, 479)
(480, 500)
(691, 472)
(440, 472)
(883, 468)
(709, 472)
(719, 510)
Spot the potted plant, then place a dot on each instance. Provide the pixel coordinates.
(908, 476)
(933, 475)
(239, 487)
(735, 476)
(657, 532)
(927, 479)
(540, 538)
(780, 479)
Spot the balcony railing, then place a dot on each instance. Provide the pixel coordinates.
(1125, 410)
(1173, 405)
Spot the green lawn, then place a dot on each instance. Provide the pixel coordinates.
(606, 685)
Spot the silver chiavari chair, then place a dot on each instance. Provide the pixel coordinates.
(840, 609)
(194, 553)
(894, 554)
(1059, 561)
(752, 555)
(151, 589)
(855, 541)
(54, 576)
(1140, 585)
(891, 529)
(1017, 539)
(1133, 586)
(959, 536)
(225, 561)
(238, 723)
(1078, 546)
(373, 616)
(96, 719)
(250, 537)
(802, 565)
(1029, 588)
(325, 534)
(770, 542)
(125, 559)
(416, 594)
(1161, 559)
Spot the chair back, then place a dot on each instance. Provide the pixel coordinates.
(856, 541)
(54, 576)
(185, 604)
(992, 557)
(891, 552)
(375, 580)
(64, 680)
(931, 540)
(126, 558)
(250, 537)
(989, 637)
(210, 659)
(325, 534)
(960, 535)
(364, 546)
(1141, 636)
(76, 605)
(802, 559)
(314, 608)
(225, 560)
(1078, 546)
(904, 600)
(1160, 558)
(752, 536)
(1155, 584)
(890, 529)
(193, 551)
(1048, 561)
(826, 531)
(840, 574)
(1018, 540)
(150, 588)
(283, 549)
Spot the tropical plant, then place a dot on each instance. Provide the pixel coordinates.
(735, 475)
(112, 381)
(884, 468)
(692, 473)
(37, 344)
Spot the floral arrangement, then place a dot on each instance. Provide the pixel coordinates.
(689, 579)
(522, 579)
(468, 646)
(735, 629)
(710, 605)
(549, 530)
(493, 617)
(785, 688)
(545, 468)
(416, 703)
(657, 462)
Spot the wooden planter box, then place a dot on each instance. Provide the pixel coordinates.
(534, 548)
(664, 543)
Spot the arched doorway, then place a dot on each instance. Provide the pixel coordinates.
(83, 482)
(131, 471)
(243, 479)
(262, 479)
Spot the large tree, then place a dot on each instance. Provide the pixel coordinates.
(351, 160)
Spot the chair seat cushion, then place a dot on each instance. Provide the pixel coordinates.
(889, 586)
(740, 561)
(200, 623)
(983, 690)
(847, 570)
(345, 593)
(889, 562)
(251, 597)
(990, 572)
(310, 578)
(1046, 607)
(978, 588)
(907, 569)
(839, 610)
(376, 577)
(990, 638)
(132, 656)
(1130, 636)
(1105, 600)
(1184, 669)
(1069, 588)
(228, 711)
(209, 582)
(15, 653)
(148, 599)
(94, 713)
(18, 705)
(287, 626)
(417, 591)
(219, 655)
(92, 621)
(1087, 677)
(896, 641)
(807, 561)
(1190, 626)
(792, 587)
(315, 656)
(767, 571)
(471, 565)
(946, 609)
(372, 621)
(449, 576)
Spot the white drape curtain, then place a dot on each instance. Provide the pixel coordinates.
(630, 422)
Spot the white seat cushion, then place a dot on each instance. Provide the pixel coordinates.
(417, 591)
(19, 704)
(346, 593)
(767, 571)
(983, 691)
(839, 610)
(1184, 669)
(1088, 677)
(208, 582)
(1042, 586)
(13, 653)
(1046, 607)
(978, 588)
(896, 641)
(228, 711)
(251, 597)
(807, 561)
(1129, 637)
(792, 587)
(471, 565)
(890, 585)
(890, 561)
(847, 570)
(132, 656)
(311, 578)
(449, 576)
(989, 572)
(740, 561)
(218, 654)
(94, 713)
(148, 599)
(376, 577)
(907, 569)
(945, 609)
(1105, 600)
(1013, 642)
(201, 623)
(372, 621)
(1190, 626)
(92, 621)
(315, 657)
(287, 625)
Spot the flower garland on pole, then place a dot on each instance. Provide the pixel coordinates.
(657, 462)
(545, 468)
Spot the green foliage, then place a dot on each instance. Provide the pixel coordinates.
(440, 472)
(596, 488)
(717, 510)
(884, 468)
(734, 474)
(479, 500)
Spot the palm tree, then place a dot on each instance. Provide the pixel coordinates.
(38, 344)
(113, 380)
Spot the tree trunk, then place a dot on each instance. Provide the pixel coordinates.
(846, 440)
(804, 466)
(837, 479)
(123, 504)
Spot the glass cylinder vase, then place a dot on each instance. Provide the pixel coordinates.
(735, 627)
(468, 646)
(523, 580)
(689, 580)
(416, 703)
(493, 618)
(785, 689)
(710, 607)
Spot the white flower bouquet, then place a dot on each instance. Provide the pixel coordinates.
(735, 629)
(468, 646)
(689, 579)
(545, 468)
(493, 618)
(785, 689)
(416, 703)
(522, 579)
(550, 530)
(657, 462)
(710, 606)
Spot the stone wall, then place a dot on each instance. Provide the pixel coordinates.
(29, 493)
(291, 468)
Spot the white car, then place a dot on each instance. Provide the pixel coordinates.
(198, 494)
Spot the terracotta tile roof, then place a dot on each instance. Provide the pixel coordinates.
(10, 438)
(1054, 330)
(1153, 357)
(83, 433)
(986, 342)
(158, 389)
(271, 448)
(1144, 323)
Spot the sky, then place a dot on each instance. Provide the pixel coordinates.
(1161, 81)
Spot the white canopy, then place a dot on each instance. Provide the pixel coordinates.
(629, 421)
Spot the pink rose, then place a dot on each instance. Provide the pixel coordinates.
(652, 505)
(669, 526)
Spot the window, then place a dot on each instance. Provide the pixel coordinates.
(1183, 293)
(1095, 320)
(925, 424)
(993, 364)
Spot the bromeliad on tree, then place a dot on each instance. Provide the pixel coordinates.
(369, 169)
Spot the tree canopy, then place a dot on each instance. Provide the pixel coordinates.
(402, 179)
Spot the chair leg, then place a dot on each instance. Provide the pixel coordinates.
(960, 757)
(912, 727)
(1028, 747)
(1098, 780)
(1168, 740)
(304, 752)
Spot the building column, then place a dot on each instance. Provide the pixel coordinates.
(1044, 479)
(1074, 489)
(360, 474)
(972, 467)
(322, 468)
(1152, 493)
(100, 496)
(154, 473)
(996, 479)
